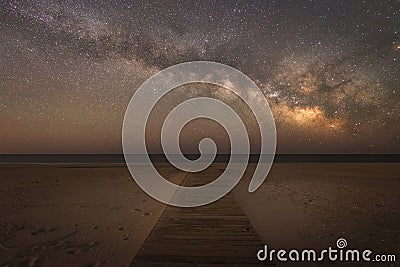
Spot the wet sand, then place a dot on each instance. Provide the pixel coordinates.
(75, 215)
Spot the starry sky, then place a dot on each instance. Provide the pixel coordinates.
(329, 70)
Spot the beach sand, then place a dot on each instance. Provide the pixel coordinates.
(76, 215)
(312, 205)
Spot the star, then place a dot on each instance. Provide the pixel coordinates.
(69, 69)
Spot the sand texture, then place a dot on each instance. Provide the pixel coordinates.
(95, 215)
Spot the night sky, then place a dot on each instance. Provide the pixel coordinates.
(329, 69)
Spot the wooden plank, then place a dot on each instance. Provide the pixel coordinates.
(218, 234)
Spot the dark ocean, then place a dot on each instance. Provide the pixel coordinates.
(220, 158)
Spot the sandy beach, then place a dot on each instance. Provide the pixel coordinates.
(312, 205)
(73, 215)
(92, 215)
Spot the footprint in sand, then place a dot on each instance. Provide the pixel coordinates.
(40, 230)
(126, 236)
(72, 248)
(72, 251)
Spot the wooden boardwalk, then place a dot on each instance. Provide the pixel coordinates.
(218, 234)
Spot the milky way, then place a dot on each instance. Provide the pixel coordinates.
(329, 69)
